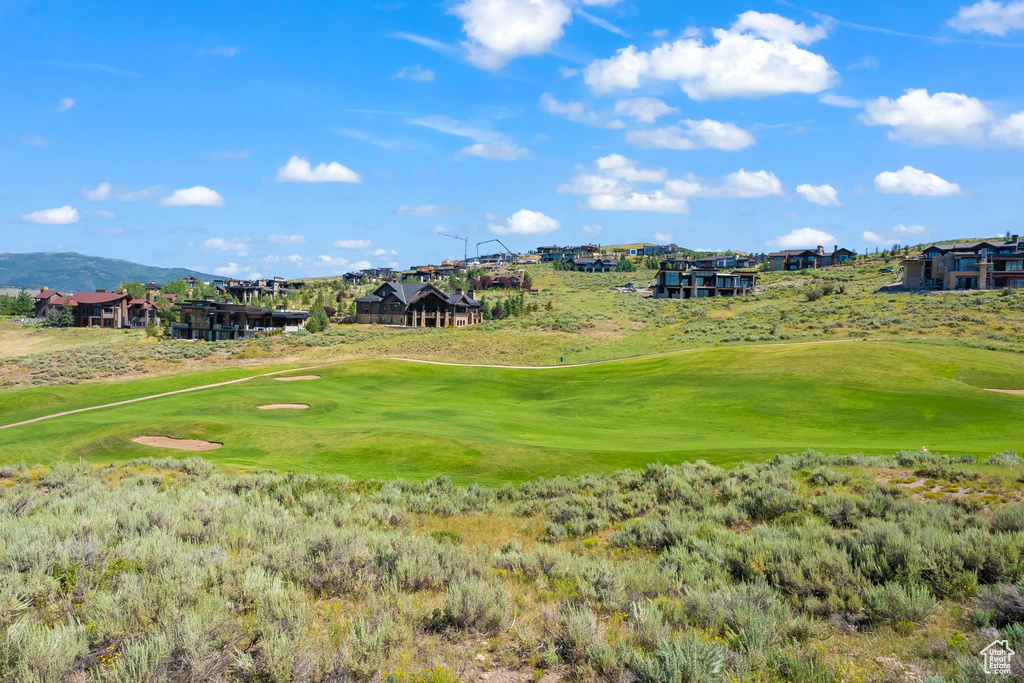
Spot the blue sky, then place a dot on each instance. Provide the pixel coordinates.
(296, 139)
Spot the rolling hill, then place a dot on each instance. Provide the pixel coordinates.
(70, 271)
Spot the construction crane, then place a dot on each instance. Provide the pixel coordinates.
(465, 241)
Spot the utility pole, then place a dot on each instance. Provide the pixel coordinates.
(465, 242)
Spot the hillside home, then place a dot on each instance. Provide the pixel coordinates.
(502, 259)
(218, 320)
(46, 299)
(497, 282)
(594, 265)
(101, 309)
(247, 290)
(804, 259)
(735, 260)
(144, 312)
(973, 265)
(652, 250)
(551, 254)
(419, 304)
(678, 280)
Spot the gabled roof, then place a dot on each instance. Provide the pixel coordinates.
(46, 295)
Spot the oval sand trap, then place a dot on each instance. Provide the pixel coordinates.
(1008, 391)
(297, 378)
(284, 406)
(177, 444)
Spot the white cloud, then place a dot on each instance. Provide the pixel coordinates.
(353, 244)
(105, 191)
(801, 238)
(874, 238)
(655, 201)
(65, 104)
(427, 210)
(619, 166)
(566, 72)
(416, 73)
(488, 144)
(756, 57)
(501, 30)
(987, 16)
(590, 231)
(739, 185)
(579, 112)
(218, 51)
(100, 213)
(665, 237)
(843, 101)
(230, 270)
(910, 180)
(940, 119)
(65, 215)
(526, 222)
(299, 170)
(697, 135)
(295, 258)
(287, 239)
(236, 244)
(502, 151)
(825, 195)
(599, 22)
(643, 109)
(385, 252)
(193, 196)
(910, 229)
(1010, 130)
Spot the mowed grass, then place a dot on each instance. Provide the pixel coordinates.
(725, 405)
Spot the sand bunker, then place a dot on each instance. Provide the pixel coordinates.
(1008, 391)
(177, 444)
(297, 378)
(284, 406)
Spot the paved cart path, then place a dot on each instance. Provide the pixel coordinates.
(406, 360)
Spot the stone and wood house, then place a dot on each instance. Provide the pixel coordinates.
(420, 304)
(218, 320)
(973, 265)
(682, 280)
(806, 259)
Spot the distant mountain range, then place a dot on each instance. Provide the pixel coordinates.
(72, 272)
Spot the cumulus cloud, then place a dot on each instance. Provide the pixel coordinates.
(739, 185)
(299, 170)
(487, 144)
(526, 222)
(696, 135)
(801, 238)
(427, 210)
(910, 229)
(385, 252)
(498, 31)
(1010, 131)
(64, 215)
(663, 237)
(910, 180)
(758, 56)
(825, 195)
(353, 244)
(843, 101)
(643, 109)
(416, 73)
(230, 270)
(874, 238)
(940, 119)
(987, 16)
(236, 244)
(193, 196)
(590, 231)
(65, 104)
(613, 187)
(287, 239)
(579, 112)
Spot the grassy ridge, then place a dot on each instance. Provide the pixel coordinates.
(388, 418)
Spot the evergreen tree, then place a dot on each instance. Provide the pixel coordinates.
(67, 315)
(52, 318)
(23, 304)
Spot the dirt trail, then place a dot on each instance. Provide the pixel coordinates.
(415, 360)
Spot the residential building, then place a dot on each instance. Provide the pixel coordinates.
(101, 309)
(500, 259)
(46, 299)
(420, 304)
(219, 320)
(679, 280)
(145, 312)
(652, 250)
(248, 290)
(732, 260)
(497, 282)
(973, 265)
(805, 259)
(594, 265)
(551, 254)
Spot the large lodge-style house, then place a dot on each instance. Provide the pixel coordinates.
(211, 320)
(112, 310)
(420, 304)
(974, 265)
(807, 259)
(685, 279)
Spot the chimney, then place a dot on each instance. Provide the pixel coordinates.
(835, 248)
(458, 291)
(101, 291)
(44, 289)
(150, 296)
(1015, 239)
(821, 249)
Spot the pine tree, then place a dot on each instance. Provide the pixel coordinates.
(23, 304)
(67, 315)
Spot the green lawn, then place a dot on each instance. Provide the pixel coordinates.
(388, 418)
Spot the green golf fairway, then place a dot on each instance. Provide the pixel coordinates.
(725, 405)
